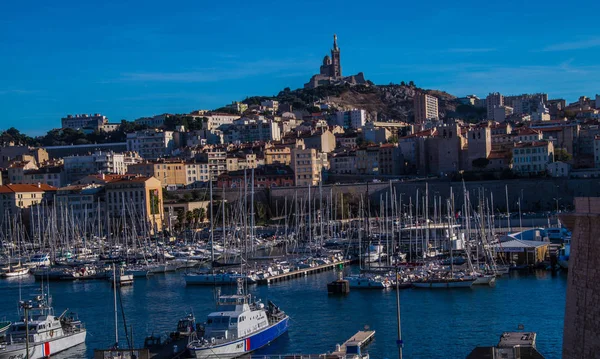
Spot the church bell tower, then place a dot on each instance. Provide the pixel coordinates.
(335, 60)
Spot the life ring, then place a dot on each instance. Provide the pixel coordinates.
(51, 333)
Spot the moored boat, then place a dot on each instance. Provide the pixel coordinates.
(239, 326)
(39, 333)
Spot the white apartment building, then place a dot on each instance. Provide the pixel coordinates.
(248, 130)
(151, 144)
(77, 167)
(351, 119)
(217, 119)
(77, 122)
(154, 121)
(532, 157)
(426, 108)
(493, 100)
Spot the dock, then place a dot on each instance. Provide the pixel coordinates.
(301, 272)
(362, 338)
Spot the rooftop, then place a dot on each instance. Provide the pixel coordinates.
(15, 188)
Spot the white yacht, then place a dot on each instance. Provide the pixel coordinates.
(41, 332)
(368, 282)
(40, 260)
(239, 326)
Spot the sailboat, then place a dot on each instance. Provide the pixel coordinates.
(238, 326)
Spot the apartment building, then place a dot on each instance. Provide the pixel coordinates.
(354, 119)
(168, 172)
(136, 200)
(425, 107)
(15, 198)
(532, 157)
(493, 100)
(151, 144)
(307, 165)
(77, 167)
(278, 154)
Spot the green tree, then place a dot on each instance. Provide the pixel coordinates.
(560, 154)
(189, 218)
(480, 163)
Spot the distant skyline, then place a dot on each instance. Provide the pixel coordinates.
(145, 58)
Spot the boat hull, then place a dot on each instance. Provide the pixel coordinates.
(242, 346)
(485, 280)
(444, 284)
(43, 349)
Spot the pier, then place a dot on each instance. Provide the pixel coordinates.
(362, 338)
(301, 272)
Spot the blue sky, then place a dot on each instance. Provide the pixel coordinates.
(127, 59)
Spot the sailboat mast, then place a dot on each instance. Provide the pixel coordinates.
(115, 300)
(212, 245)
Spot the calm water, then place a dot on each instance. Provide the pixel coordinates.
(435, 323)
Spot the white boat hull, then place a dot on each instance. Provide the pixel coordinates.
(485, 280)
(16, 273)
(451, 284)
(42, 349)
(242, 346)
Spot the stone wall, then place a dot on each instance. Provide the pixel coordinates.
(537, 194)
(581, 337)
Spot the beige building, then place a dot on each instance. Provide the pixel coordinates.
(16, 197)
(320, 141)
(307, 164)
(241, 161)
(169, 173)
(137, 200)
(426, 108)
(278, 154)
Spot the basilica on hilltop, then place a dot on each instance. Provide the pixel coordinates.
(331, 71)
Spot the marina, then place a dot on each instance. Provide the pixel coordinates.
(449, 320)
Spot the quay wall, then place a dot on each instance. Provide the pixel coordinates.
(536, 194)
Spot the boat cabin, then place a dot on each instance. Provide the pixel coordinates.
(234, 319)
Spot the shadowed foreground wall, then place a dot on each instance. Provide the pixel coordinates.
(581, 338)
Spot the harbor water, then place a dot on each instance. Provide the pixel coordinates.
(435, 323)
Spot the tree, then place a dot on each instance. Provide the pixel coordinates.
(411, 83)
(480, 163)
(560, 154)
(393, 139)
(189, 217)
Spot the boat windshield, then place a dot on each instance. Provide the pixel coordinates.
(21, 328)
(218, 322)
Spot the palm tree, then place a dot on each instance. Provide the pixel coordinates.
(189, 217)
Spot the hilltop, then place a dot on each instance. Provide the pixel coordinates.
(391, 102)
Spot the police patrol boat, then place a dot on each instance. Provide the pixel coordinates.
(240, 325)
(40, 334)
